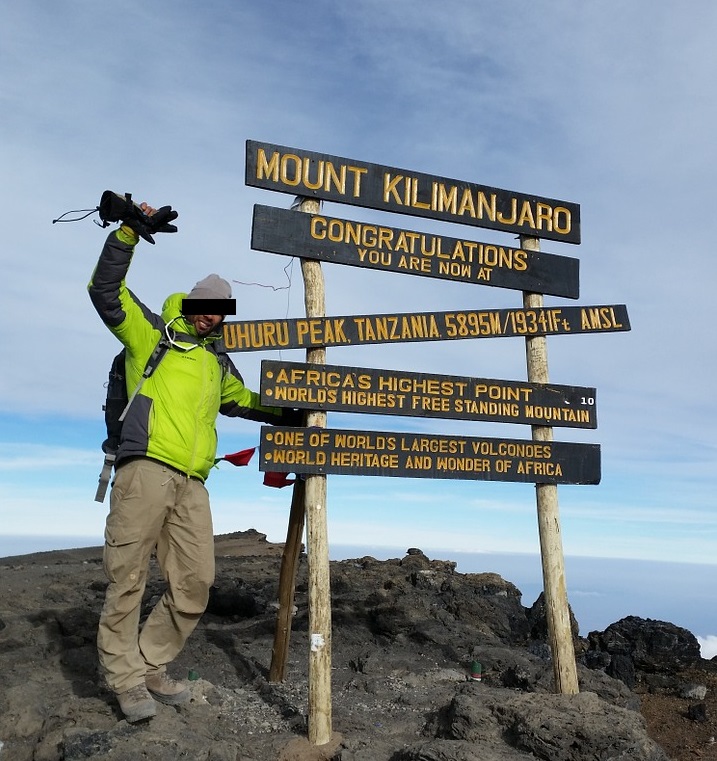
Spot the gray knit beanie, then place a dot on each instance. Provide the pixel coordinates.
(212, 287)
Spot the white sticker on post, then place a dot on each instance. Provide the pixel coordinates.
(317, 642)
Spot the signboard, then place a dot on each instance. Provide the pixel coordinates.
(361, 244)
(354, 330)
(333, 178)
(392, 392)
(410, 455)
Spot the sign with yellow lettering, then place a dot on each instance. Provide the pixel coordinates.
(333, 178)
(392, 392)
(360, 244)
(357, 330)
(411, 455)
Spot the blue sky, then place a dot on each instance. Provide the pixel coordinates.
(598, 103)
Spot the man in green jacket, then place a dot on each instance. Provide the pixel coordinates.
(158, 500)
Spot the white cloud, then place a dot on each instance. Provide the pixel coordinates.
(23, 456)
(708, 646)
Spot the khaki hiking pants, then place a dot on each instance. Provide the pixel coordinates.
(151, 505)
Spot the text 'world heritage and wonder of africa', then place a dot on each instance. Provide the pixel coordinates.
(408, 455)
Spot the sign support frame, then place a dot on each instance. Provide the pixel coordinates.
(309, 506)
(317, 538)
(287, 583)
(551, 546)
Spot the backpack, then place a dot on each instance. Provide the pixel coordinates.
(117, 404)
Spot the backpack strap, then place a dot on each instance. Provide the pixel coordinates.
(154, 359)
(105, 475)
(221, 355)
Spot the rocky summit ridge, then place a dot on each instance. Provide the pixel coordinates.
(405, 633)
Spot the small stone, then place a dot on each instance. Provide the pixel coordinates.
(697, 712)
(693, 691)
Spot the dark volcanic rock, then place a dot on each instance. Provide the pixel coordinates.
(233, 600)
(423, 599)
(697, 712)
(637, 649)
(404, 633)
(538, 622)
(490, 725)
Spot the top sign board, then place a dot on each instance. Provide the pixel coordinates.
(373, 186)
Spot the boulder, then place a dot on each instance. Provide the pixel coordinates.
(636, 649)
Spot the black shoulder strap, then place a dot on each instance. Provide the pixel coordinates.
(217, 348)
(156, 356)
(152, 363)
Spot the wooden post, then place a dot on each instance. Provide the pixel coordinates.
(287, 583)
(551, 545)
(309, 501)
(317, 530)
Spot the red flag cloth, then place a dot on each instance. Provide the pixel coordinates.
(239, 458)
(277, 480)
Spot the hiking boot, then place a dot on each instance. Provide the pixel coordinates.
(165, 689)
(137, 704)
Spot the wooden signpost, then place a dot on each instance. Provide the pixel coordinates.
(412, 455)
(355, 330)
(359, 183)
(359, 244)
(557, 610)
(316, 450)
(390, 392)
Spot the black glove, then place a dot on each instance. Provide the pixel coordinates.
(116, 208)
(293, 418)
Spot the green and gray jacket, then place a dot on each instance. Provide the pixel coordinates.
(173, 418)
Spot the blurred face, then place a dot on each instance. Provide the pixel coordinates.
(204, 324)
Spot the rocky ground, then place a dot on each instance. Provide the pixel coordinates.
(405, 632)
